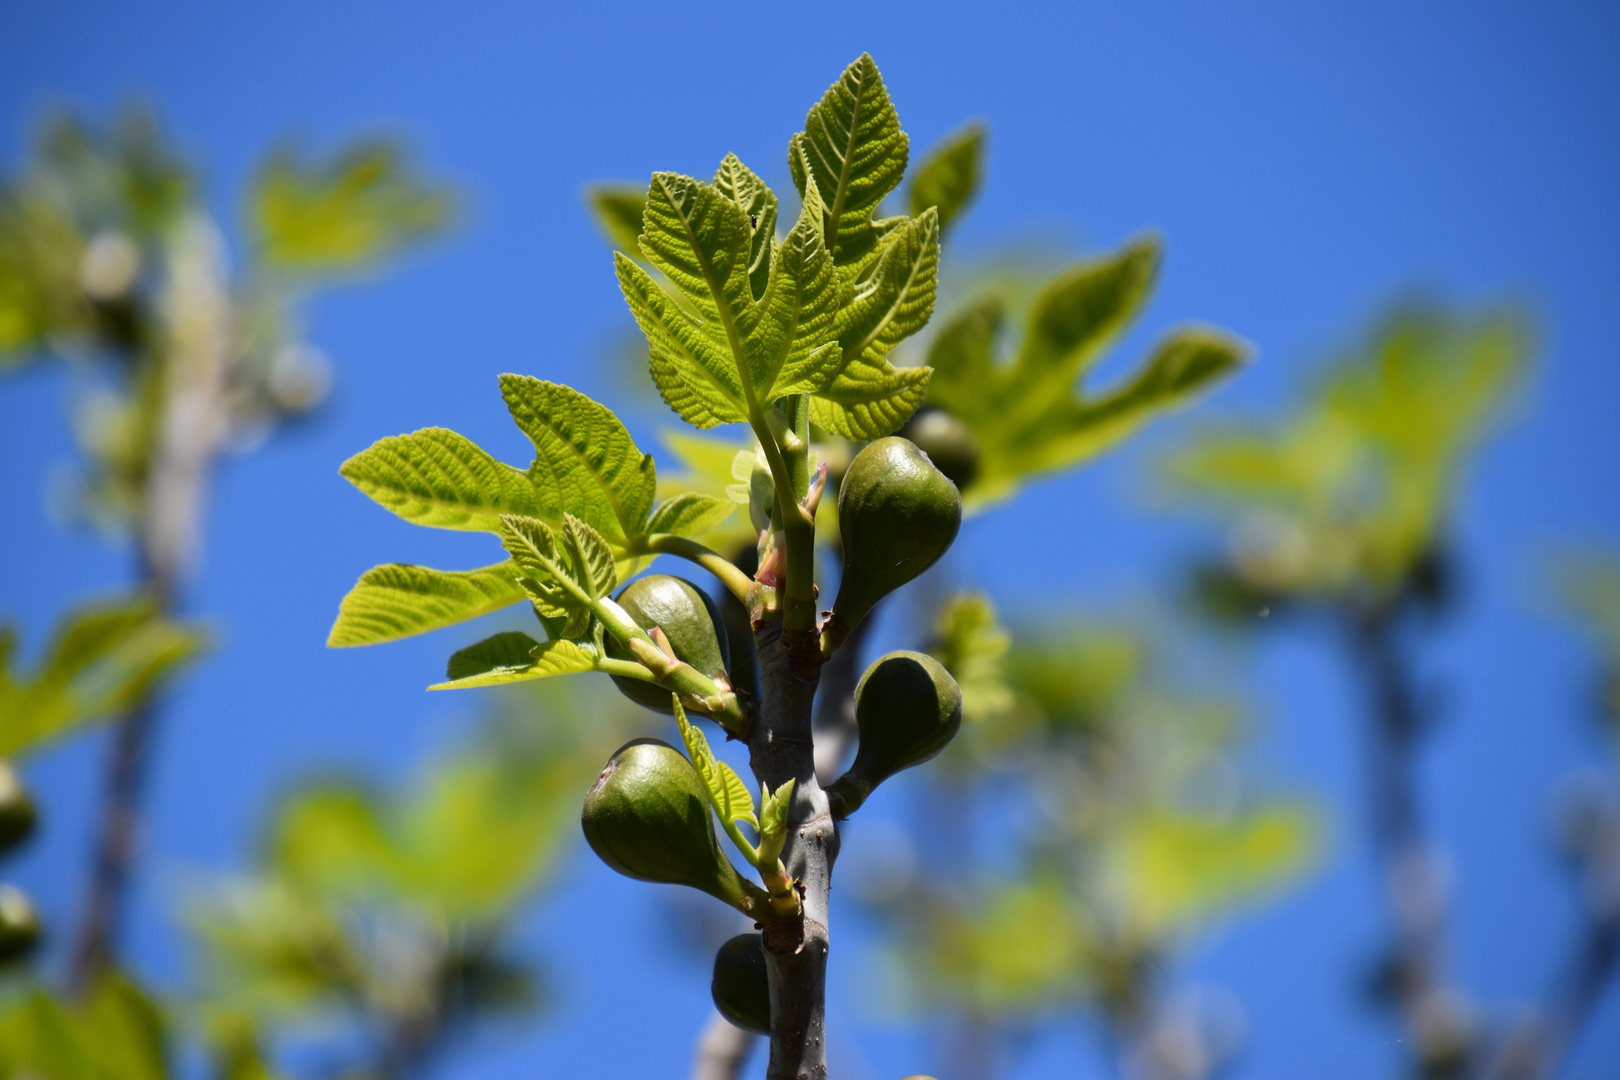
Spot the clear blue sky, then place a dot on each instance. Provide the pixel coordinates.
(1306, 163)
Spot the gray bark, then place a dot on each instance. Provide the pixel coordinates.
(781, 748)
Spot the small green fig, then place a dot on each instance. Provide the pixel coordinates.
(17, 817)
(19, 926)
(688, 618)
(949, 443)
(908, 708)
(648, 818)
(897, 514)
(741, 988)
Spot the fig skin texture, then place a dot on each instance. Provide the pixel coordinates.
(17, 815)
(741, 985)
(908, 708)
(949, 443)
(647, 817)
(688, 617)
(897, 514)
(19, 926)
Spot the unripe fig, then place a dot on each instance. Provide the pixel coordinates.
(908, 708)
(949, 443)
(17, 815)
(741, 988)
(688, 618)
(648, 818)
(19, 926)
(897, 514)
(742, 661)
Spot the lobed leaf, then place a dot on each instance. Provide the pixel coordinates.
(727, 793)
(551, 658)
(870, 397)
(395, 601)
(503, 652)
(690, 514)
(854, 151)
(1030, 416)
(737, 182)
(101, 660)
(343, 214)
(585, 462)
(948, 178)
(437, 478)
(618, 209)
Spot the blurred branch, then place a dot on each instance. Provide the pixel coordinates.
(1413, 974)
(722, 1050)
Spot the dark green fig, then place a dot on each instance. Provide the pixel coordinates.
(17, 817)
(908, 708)
(19, 926)
(647, 817)
(741, 988)
(897, 514)
(949, 443)
(688, 618)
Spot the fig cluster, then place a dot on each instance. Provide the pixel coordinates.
(19, 925)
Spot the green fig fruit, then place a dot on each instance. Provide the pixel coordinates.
(17, 817)
(897, 514)
(741, 988)
(742, 660)
(908, 708)
(19, 926)
(648, 818)
(949, 443)
(688, 618)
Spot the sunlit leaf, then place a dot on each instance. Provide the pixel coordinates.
(397, 601)
(728, 795)
(438, 478)
(100, 661)
(949, 175)
(585, 462)
(972, 646)
(551, 658)
(618, 209)
(357, 208)
(853, 148)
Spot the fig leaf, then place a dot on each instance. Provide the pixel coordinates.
(396, 601)
(437, 478)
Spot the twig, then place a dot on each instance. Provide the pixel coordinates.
(1417, 985)
(722, 1050)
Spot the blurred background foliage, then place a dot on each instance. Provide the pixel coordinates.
(1128, 824)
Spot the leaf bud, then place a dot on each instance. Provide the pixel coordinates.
(19, 926)
(17, 816)
(690, 621)
(741, 986)
(949, 443)
(908, 708)
(648, 818)
(897, 514)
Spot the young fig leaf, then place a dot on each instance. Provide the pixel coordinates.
(727, 793)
